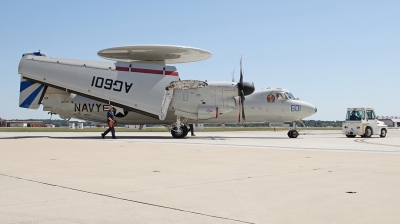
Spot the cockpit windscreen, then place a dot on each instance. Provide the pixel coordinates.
(284, 96)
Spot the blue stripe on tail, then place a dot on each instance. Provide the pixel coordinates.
(24, 85)
(28, 101)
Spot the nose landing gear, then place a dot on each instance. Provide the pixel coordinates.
(293, 133)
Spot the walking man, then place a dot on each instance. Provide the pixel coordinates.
(110, 122)
(191, 129)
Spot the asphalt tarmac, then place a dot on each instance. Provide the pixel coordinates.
(214, 177)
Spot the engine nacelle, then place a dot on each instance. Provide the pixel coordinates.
(207, 112)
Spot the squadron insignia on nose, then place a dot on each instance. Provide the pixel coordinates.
(271, 98)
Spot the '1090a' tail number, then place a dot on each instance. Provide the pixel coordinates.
(100, 82)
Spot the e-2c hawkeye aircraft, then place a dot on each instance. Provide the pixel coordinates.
(145, 90)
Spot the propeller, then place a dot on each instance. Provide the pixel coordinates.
(244, 89)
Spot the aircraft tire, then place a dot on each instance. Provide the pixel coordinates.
(293, 134)
(181, 134)
(185, 130)
(383, 133)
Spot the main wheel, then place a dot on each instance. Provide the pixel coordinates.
(383, 133)
(368, 132)
(350, 136)
(179, 132)
(185, 130)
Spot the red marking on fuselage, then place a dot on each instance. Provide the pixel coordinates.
(147, 71)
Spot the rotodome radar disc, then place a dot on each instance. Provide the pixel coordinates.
(167, 54)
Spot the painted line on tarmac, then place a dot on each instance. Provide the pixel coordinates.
(273, 147)
(125, 199)
(90, 138)
(373, 143)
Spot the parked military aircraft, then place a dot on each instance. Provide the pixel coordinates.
(146, 91)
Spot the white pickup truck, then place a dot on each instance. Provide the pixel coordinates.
(363, 122)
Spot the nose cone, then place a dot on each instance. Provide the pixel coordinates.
(307, 109)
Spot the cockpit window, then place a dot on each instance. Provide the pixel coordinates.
(291, 96)
(281, 96)
(355, 115)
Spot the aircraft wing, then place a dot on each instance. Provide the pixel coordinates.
(137, 87)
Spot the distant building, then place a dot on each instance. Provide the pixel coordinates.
(2, 124)
(390, 121)
(21, 124)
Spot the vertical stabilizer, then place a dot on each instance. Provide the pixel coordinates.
(30, 94)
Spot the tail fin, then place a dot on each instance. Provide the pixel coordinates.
(31, 94)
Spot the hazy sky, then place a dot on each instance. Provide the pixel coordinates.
(333, 54)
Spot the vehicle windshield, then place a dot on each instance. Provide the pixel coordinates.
(355, 115)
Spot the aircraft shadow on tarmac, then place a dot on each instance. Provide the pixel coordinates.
(166, 137)
(141, 137)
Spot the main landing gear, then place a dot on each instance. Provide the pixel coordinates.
(293, 133)
(179, 132)
(179, 129)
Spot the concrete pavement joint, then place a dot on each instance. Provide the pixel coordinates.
(124, 199)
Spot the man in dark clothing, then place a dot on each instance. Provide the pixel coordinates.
(110, 121)
(353, 116)
(191, 129)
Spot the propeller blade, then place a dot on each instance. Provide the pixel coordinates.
(239, 99)
(233, 75)
(241, 74)
(242, 98)
(241, 93)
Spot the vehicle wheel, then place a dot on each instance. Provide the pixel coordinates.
(350, 136)
(383, 133)
(368, 132)
(289, 134)
(179, 133)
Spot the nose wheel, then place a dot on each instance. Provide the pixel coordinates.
(293, 134)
